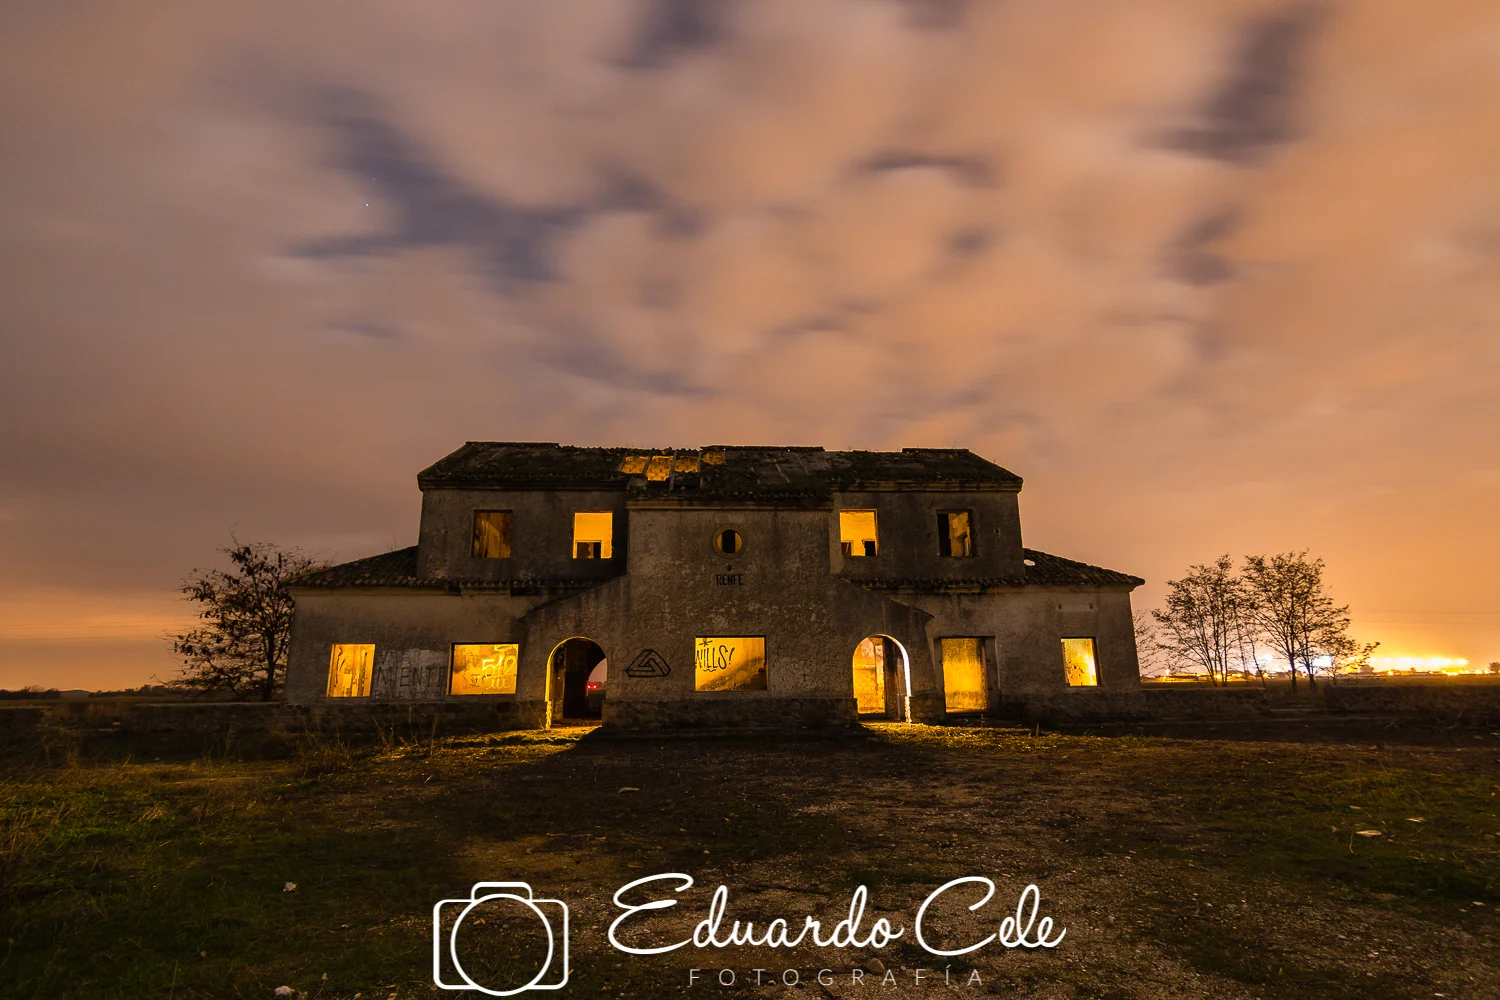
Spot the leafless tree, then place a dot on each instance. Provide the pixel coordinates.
(1202, 622)
(1247, 636)
(1291, 609)
(1343, 651)
(1149, 652)
(246, 620)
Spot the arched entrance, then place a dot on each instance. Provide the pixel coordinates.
(571, 671)
(882, 679)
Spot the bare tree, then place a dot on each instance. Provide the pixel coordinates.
(1148, 648)
(246, 621)
(1202, 622)
(1289, 606)
(1247, 635)
(1343, 651)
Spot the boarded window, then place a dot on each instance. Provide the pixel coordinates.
(963, 675)
(1081, 664)
(593, 534)
(954, 538)
(492, 534)
(736, 663)
(349, 668)
(484, 668)
(869, 676)
(857, 533)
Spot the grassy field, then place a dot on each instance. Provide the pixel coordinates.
(1180, 867)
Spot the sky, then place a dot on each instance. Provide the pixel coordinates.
(1212, 275)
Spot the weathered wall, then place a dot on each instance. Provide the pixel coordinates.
(1432, 701)
(907, 527)
(541, 534)
(1205, 703)
(778, 587)
(1026, 628)
(260, 727)
(413, 633)
(784, 586)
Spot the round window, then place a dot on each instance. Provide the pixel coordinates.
(728, 542)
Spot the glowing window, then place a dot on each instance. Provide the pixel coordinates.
(713, 457)
(349, 668)
(634, 465)
(869, 676)
(857, 533)
(1080, 662)
(484, 668)
(659, 468)
(492, 534)
(963, 675)
(735, 663)
(954, 538)
(728, 542)
(685, 463)
(593, 534)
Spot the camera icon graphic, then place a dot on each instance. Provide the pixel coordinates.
(510, 910)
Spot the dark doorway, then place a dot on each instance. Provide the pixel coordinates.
(572, 662)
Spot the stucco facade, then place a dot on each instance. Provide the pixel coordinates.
(727, 566)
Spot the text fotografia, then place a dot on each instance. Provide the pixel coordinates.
(946, 976)
(1024, 928)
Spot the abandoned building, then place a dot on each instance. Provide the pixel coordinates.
(724, 586)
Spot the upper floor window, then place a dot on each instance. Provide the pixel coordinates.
(593, 534)
(954, 535)
(492, 534)
(857, 533)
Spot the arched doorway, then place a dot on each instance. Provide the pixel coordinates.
(882, 679)
(570, 670)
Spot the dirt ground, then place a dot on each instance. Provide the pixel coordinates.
(1179, 864)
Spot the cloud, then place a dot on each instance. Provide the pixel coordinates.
(1210, 275)
(1191, 258)
(428, 207)
(672, 27)
(1255, 107)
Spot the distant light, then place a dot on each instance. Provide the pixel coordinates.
(1447, 664)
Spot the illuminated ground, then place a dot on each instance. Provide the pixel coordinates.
(1180, 867)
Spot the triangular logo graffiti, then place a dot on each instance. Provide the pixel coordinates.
(648, 664)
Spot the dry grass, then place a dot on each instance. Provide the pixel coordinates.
(1179, 867)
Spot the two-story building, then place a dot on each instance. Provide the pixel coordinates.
(724, 586)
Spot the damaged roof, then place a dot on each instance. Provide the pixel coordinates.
(1046, 570)
(721, 471)
(1041, 569)
(399, 569)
